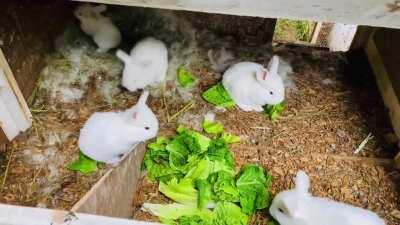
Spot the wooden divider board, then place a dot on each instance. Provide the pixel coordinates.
(382, 13)
(15, 115)
(383, 49)
(113, 194)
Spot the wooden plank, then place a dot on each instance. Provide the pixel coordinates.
(361, 12)
(361, 38)
(383, 54)
(13, 83)
(316, 31)
(18, 215)
(15, 116)
(113, 194)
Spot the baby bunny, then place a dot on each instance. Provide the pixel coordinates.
(100, 28)
(252, 86)
(109, 136)
(146, 65)
(299, 207)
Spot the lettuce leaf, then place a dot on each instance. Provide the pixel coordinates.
(223, 187)
(83, 164)
(156, 162)
(185, 148)
(185, 78)
(253, 183)
(205, 196)
(182, 192)
(227, 213)
(212, 127)
(218, 150)
(273, 111)
(217, 95)
(178, 214)
(230, 138)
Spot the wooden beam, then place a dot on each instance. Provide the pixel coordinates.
(383, 54)
(316, 31)
(361, 12)
(15, 116)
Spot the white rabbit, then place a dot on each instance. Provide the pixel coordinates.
(146, 65)
(252, 86)
(109, 136)
(100, 28)
(299, 207)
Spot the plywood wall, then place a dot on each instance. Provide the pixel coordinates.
(27, 30)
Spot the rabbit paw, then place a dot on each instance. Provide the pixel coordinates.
(245, 107)
(258, 108)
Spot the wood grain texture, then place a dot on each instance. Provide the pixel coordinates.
(383, 54)
(360, 12)
(112, 195)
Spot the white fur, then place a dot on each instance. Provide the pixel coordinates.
(246, 85)
(109, 136)
(146, 65)
(299, 207)
(100, 28)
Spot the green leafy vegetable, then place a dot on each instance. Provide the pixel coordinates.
(192, 220)
(224, 188)
(211, 127)
(182, 192)
(205, 195)
(174, 214)
(253, 183)
(199, 173)
(217, 95)
(185, 78)
(156, 162)
(273, 111)
(230, 138)
(84, 164)
(219, 151)
(227, 213)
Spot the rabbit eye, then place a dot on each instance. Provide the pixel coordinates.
(271, 93)
(147, 128)
(281, 210)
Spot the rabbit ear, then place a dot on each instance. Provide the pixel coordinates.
(273, 65)
(302, 182)
(143, 98)
(100, 8)
(262, 74)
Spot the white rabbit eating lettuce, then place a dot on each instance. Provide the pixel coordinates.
(103, 31)
(109, 136)
(251, 86)
(299, 207)
(146, 65)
